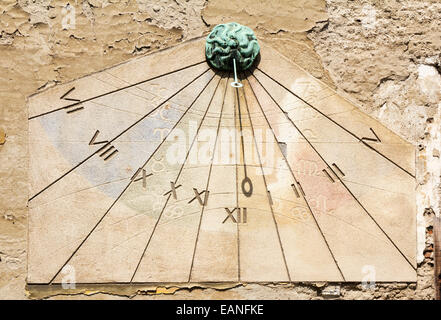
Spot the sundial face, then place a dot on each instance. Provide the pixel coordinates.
(159, 171)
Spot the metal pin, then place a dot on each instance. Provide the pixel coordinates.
(236, 84)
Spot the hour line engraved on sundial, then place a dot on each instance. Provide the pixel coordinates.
(246, 184)
(362, 208)
(237, 161)
(197, 244)
(265, 184)
(205, 81)
(214, 221)
(295, 186)
(115, 90)
(332, 120)
(122, 132)
(181, 168)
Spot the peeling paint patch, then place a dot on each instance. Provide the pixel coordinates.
(47, 292)
(162, 290)
(2, 136)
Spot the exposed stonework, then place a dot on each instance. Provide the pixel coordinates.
(2, 136)
(37, 51)
(384, 54)
(289, 30)
(271, 16)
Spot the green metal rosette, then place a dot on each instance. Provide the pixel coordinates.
(231, 41)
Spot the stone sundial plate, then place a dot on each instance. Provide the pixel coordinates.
(140, 174)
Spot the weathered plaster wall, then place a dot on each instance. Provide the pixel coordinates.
(384, 55)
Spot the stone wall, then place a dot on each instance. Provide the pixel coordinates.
(383, 55)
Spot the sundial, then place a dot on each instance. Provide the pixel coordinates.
(217, 160)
